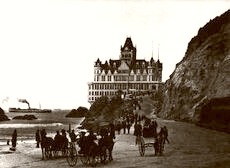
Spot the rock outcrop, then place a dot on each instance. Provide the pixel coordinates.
(202, 76)
(25, 117)
(3, 116)
(80, 112)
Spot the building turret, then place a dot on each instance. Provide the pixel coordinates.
(159, 70)
(128, 52)
(97, 70)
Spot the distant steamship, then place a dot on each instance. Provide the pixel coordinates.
(29, 110)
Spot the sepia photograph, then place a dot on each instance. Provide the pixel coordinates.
(115, 83)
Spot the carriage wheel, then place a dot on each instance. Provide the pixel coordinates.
(141, 146)
(72, 157)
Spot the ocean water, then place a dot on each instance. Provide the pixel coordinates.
(26, 129)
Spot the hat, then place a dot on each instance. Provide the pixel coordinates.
(82, 131)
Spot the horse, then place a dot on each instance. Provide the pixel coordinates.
(60, 144)
(106, 144)
(46, 145)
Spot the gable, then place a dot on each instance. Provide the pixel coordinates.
(123, 66)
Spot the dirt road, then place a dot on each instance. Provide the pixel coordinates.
(190, 146)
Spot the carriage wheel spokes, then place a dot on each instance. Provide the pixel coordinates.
(72, 156)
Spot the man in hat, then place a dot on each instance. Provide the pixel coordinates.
(73, 136)
(82, 142)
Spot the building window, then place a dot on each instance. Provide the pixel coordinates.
(141, 86)
(131, 78)
(103, 78)
(154, 87)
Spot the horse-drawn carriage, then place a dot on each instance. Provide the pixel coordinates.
(54, 147)
(93, 153)
(149, 137)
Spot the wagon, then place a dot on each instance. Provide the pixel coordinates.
(92, 156)
(73, 156)
(144, 143)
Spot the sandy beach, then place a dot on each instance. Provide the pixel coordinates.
(190, 146)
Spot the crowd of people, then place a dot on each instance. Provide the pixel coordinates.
(142, 127)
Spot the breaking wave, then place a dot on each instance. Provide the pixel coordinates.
(29, 125)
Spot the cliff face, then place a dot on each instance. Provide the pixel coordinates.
(3, 117)
(203, 74)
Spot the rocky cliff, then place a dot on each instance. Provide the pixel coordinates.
(3, 116)
(202, 76)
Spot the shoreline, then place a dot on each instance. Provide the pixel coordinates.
(189, 145)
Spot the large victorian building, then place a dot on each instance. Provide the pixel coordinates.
(126, 74)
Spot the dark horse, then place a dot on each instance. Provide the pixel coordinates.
(106, 147)
(60, 144)
(46, 145)
(99, 152)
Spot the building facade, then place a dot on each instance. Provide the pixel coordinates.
(126, 74)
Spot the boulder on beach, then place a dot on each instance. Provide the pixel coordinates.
(25, 117)
(3, 117)
(80, 112)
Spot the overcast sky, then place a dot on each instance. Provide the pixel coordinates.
(48, 48)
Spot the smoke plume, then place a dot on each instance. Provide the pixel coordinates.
(24, 101)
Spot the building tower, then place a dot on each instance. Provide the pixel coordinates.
(127, 74)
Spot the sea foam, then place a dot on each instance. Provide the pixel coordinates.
(29, 125)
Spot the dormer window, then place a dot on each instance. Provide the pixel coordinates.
(143, 64)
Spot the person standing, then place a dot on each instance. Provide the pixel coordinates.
(14, 140)
(124, 126)
(82, 143)
(118, 127)
(37, 137)
(138, 131)
(165, 134)
(128, 126)
(73, 136)
(112, 130)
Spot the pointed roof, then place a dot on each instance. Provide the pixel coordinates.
(128, 43)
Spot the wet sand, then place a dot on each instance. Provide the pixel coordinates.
(190, 146)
